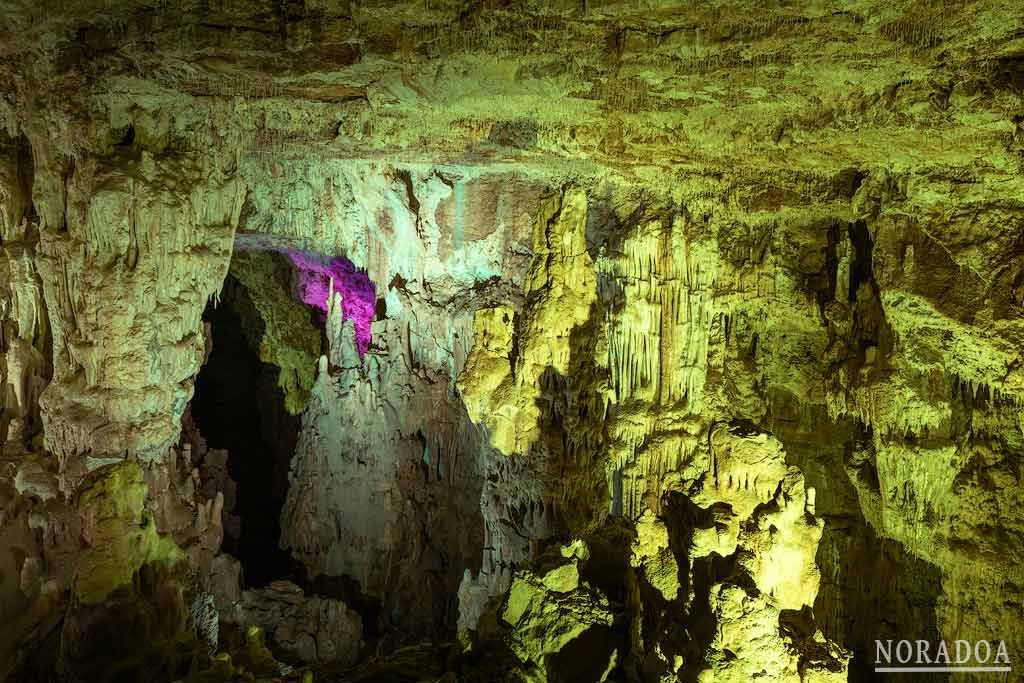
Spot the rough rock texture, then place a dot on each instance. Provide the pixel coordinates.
(319, 281)
(731, 295)
(313, 630)
(559, 290)
(388, 461)
(119, 539)
(770, 529)
(549, 612)
(125, 276)
(284, 340)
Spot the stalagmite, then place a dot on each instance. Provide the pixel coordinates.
(547, 341)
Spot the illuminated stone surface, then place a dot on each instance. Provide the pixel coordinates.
(317, 281)
(670, 341)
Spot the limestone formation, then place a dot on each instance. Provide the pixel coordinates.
(553, 340)
(311, 630)
(549, 612)
(768, 528)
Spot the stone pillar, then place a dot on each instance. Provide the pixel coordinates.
(127, 273)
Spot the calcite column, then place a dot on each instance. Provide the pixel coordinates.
(764, 518)
(143, 243)
(23, 371)
(560, 288)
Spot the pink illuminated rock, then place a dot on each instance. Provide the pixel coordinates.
(357, 290)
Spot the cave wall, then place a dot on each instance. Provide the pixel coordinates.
(388, 462)
(607, 239)
(126, 274)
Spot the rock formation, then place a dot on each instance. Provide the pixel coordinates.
(555, 340)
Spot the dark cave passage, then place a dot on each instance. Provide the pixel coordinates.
(239, 407)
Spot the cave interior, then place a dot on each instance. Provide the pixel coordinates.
(457, 340)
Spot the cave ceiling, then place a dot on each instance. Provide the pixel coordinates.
(479, 340)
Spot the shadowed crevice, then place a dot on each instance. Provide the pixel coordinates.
(239, 407)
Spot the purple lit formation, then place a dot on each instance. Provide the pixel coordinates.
(357, 291)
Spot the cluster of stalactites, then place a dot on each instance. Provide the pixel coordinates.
(637, 475)
(660, 288)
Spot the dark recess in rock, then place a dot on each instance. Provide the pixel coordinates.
(239, 408)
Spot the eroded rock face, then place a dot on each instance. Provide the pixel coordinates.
(311, 629)
(546, 613)
(26, 369)
(286, 340)
(559, 290)
(731, 296)
(771, 531)
(388, 461)
(143, 243)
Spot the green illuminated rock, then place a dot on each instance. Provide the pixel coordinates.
(731, 293)
(547, 613)
(288, 340)
(121, 537)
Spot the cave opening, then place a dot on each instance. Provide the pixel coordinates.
(239, 407)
